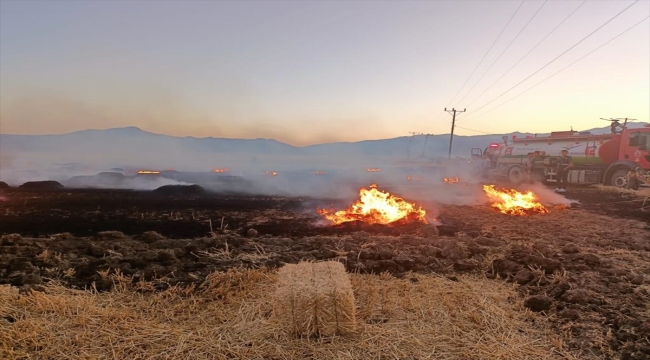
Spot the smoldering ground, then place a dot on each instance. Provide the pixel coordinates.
(332, 179)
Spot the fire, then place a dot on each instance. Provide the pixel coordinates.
(272, 173)
(454, 180)
(451, 180)
(148, 172)
(225, 170)
(373, 169)
(320, 173)
(376, 207)
(417, 178)
(513, 202)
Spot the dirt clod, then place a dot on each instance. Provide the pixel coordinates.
(9, 239)
(578, 296)
(523, 276)
(251, 233)
(570, 249)
(453, 251)
(505, 267)
(591, 259)
(569, 314)
(110, 235)
(538, 303)
(151, 236)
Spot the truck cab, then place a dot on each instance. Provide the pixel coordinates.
(633, 152)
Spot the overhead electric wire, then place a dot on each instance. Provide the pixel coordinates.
(564, 68)
(503, 52)
(528, 53)
(557, 57)
(481, 61)
(478, 131)
(487, 52)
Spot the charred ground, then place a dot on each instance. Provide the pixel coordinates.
(585, 267)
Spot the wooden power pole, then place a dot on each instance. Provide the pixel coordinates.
(453, 124)
(408, 148)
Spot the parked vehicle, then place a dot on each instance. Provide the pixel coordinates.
(598, 159)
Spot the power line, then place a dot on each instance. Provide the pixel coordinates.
(478, 131)
(528, 53)
(480, 62)
(552, 61)
(487, 52)
(564, 68)
(504, 51)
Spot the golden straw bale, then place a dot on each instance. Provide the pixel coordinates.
(314, 299)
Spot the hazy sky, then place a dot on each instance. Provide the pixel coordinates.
(309, 72)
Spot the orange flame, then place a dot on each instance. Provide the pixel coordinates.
(148, 172)
(225, 170)
(272, 173)
(376, 207)
(451, 180)
(320, 173)
(417, 178)
(373, 169)
(513, 202)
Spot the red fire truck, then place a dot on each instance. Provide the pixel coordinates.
(598, 159)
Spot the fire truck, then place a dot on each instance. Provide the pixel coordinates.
(599, 159)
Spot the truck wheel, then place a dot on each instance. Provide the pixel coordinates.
(516, 175)
(619, 178)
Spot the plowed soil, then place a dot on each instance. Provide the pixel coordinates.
(586, 268)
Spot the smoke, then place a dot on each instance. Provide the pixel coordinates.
(549, 197)
(144, 182)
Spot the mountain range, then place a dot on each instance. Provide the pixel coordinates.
(134, 147)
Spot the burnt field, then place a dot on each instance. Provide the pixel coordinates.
(584, 268)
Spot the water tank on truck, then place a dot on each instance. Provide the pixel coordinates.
(597, 158)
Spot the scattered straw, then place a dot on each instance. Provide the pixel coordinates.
(229, 317)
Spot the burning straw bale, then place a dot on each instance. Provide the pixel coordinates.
(315, 299)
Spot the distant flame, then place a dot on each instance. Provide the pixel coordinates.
(319, 173)
(225, 170)
(513, 202)
(373, 170)
(416, 178)
(450, 180)
(148, 172)
(453, 180)
(376, 207)
(272, 173)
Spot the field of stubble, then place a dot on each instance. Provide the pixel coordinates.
(185, 277)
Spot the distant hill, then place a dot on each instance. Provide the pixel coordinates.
(131, 146)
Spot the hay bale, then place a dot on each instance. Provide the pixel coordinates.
(314, 299)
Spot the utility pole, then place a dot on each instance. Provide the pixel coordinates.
(408, 148)
(425, 144)
(453, 124)
(615, 123)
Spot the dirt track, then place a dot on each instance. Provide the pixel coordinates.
(586, 268)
